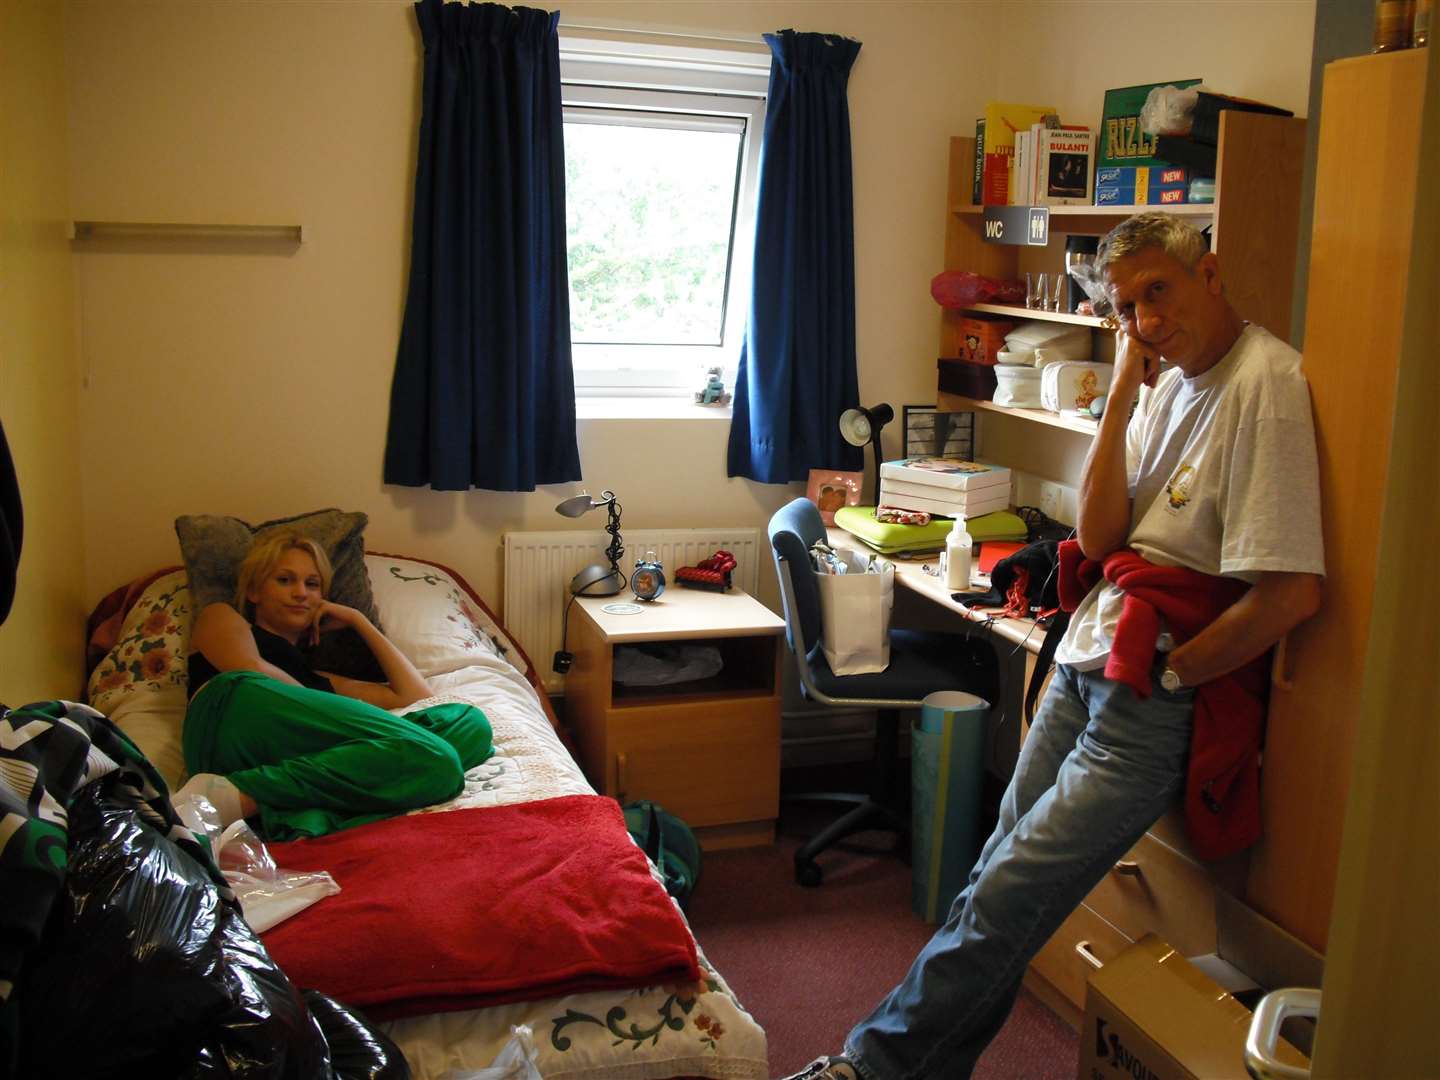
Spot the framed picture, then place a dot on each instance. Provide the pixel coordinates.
(830, 490)
(929, 432)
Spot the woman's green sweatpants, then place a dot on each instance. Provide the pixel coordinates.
(316, 762)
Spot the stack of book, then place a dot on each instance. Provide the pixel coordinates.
(945, 486)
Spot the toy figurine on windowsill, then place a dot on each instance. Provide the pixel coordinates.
(714, 392)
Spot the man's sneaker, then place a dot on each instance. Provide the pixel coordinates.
(827, 1068)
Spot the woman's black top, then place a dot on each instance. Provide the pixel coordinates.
(273, 648)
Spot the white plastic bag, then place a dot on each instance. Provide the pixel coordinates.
(855, 615)
(516, 1061)
(268, 895)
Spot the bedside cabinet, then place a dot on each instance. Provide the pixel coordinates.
(707, 750)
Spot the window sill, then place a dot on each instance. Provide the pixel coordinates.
(647, 408)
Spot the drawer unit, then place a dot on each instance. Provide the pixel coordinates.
(1155, 889)
(1062, 961)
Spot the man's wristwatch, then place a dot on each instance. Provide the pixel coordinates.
(1171, 681)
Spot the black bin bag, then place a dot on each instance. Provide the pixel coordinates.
(143, 964)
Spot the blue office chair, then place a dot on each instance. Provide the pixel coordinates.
(920, 663)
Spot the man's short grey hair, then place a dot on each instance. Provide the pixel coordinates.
(1176, 237)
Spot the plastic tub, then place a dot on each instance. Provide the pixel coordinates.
(1017, 385)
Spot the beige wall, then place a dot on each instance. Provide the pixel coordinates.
(1074, 52)
(257, 383)
(41, 643)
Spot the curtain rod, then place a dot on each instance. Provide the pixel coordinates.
(678, 37)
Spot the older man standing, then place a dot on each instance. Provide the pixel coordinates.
(1211, 489)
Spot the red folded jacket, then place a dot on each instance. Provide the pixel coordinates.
(468, 908)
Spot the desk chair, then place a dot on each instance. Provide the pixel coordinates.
(920, 663)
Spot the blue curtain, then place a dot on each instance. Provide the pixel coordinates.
(484, 390)
(797, 363)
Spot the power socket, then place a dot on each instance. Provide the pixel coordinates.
(1052, 499)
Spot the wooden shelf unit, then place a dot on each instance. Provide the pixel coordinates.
(1254, 218)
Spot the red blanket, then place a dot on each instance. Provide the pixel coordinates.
(457, 910)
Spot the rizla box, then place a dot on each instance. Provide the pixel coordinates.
(1152, 1015)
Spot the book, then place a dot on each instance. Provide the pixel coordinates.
(944, 507)
(1020, 182)
(976, 189)
(945, 472)
(1122, 140)
(954, 496)
(1062, 166)
(1002, 121)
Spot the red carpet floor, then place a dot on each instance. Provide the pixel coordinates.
(809, 963)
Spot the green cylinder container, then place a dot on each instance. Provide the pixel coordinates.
(947, 768)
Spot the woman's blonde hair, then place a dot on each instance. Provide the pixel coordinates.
(263, 556)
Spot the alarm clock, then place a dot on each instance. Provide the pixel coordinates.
(648, 580)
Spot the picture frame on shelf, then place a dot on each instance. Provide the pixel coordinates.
(928, 432)
(830, 489)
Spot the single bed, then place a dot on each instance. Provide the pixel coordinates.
(693, 1028)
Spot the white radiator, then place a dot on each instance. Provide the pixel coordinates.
(539, 566)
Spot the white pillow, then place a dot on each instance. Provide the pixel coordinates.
(140, 684)
(433, 620)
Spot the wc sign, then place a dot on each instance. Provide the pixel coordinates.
(1022, 225)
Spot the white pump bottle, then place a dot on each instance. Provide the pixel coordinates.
(958, 550)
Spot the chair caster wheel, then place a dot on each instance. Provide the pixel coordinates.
(807, 873)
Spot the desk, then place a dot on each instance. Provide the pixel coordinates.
(910, 574)
(1006, 720)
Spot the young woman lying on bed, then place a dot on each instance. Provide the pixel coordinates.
(309, 752)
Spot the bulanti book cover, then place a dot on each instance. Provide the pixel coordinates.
(945, 472)
(1063, 167)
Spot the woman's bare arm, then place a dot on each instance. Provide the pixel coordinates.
(404, 684)
(225, 638)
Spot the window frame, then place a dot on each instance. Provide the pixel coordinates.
(667, 77)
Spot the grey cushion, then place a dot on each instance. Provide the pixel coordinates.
(213, 546)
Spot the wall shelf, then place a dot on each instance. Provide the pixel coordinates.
(154, 230)
(947, 402)
(1019, 311)
(1196, 210)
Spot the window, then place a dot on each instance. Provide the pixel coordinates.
(661, 152)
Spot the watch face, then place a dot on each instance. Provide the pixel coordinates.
(1170, 681)
(647, 583)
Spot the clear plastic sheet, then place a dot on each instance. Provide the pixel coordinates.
(268, 895)
(516, 1061)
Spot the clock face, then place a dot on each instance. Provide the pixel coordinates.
(647, 583)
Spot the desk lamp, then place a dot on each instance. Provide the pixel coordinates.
(598, 579)
(859, 426)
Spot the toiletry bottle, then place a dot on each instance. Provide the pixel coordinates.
(958, 548)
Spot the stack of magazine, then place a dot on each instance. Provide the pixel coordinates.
(949, 487)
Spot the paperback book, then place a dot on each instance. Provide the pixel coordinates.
(1063, 166)
(1002, 121)
(966, 476)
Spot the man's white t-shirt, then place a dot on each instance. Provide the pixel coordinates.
(1223, 479)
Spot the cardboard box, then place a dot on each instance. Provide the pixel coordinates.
(982, 339)
(971, 380)
(1152, 1015)
(1122, 140)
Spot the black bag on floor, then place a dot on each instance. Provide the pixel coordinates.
(128, 952)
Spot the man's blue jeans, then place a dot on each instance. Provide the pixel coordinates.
(1098, 768)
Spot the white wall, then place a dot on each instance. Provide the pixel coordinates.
(42, 642)
(257, 384)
